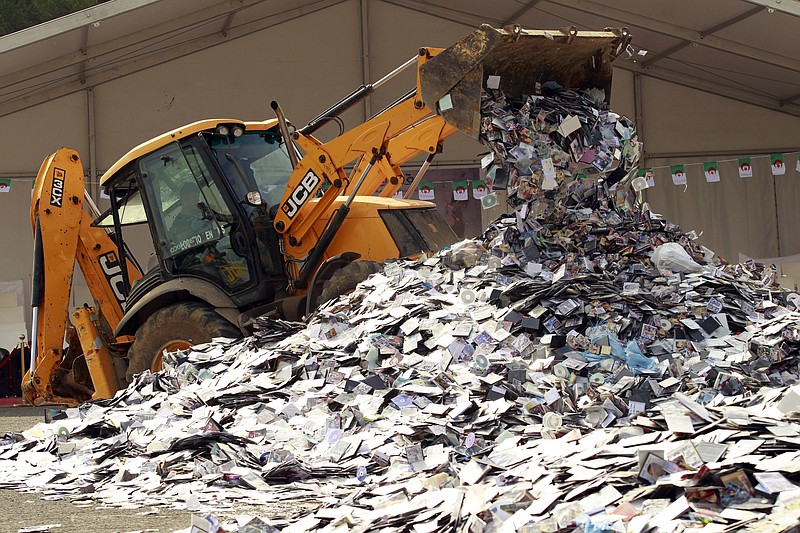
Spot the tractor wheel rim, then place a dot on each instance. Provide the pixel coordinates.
(171, 346)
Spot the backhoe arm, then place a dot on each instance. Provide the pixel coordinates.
(63, 234)
(56, 212)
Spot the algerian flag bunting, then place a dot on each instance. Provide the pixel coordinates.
(426, 191)
(5, 185)
(460, 191)
(479, 189)
(711, 171)
(104, 194)
(678, 174)
(745, 168)
(797, 166)
(778, 165)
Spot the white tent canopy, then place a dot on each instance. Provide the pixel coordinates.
(739, 49)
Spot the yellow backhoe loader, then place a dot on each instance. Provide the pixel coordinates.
(252, 218)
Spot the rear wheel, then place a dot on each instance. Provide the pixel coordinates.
(172, 328)
(346, 278)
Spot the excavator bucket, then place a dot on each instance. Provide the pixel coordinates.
(521, 58)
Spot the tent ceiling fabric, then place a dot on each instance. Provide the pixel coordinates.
(739, 49)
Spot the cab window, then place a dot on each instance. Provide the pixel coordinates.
(190, 218)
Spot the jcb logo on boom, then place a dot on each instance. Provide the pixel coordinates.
(300, 194)
(112, 270)
(57, 190)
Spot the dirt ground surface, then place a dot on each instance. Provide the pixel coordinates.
(25, 510)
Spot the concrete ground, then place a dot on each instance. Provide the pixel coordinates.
(25, 510)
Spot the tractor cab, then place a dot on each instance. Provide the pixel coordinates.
(206, 192)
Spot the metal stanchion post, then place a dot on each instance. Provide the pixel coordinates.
(21, 346)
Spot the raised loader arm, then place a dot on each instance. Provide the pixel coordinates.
(446, 99)
(63, 234)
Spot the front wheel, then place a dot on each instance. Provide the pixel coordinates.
(173, 328)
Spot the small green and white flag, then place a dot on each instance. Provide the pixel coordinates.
(489, 201)
(745, 168)
(711, 171)
(5, 185)
(778, 165)
(460, 191)
(678, 174)
(479, 189)
(426, 191)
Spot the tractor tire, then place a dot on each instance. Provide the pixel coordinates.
(346, 278)
(172, 328)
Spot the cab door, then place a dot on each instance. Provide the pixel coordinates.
(195, 228)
